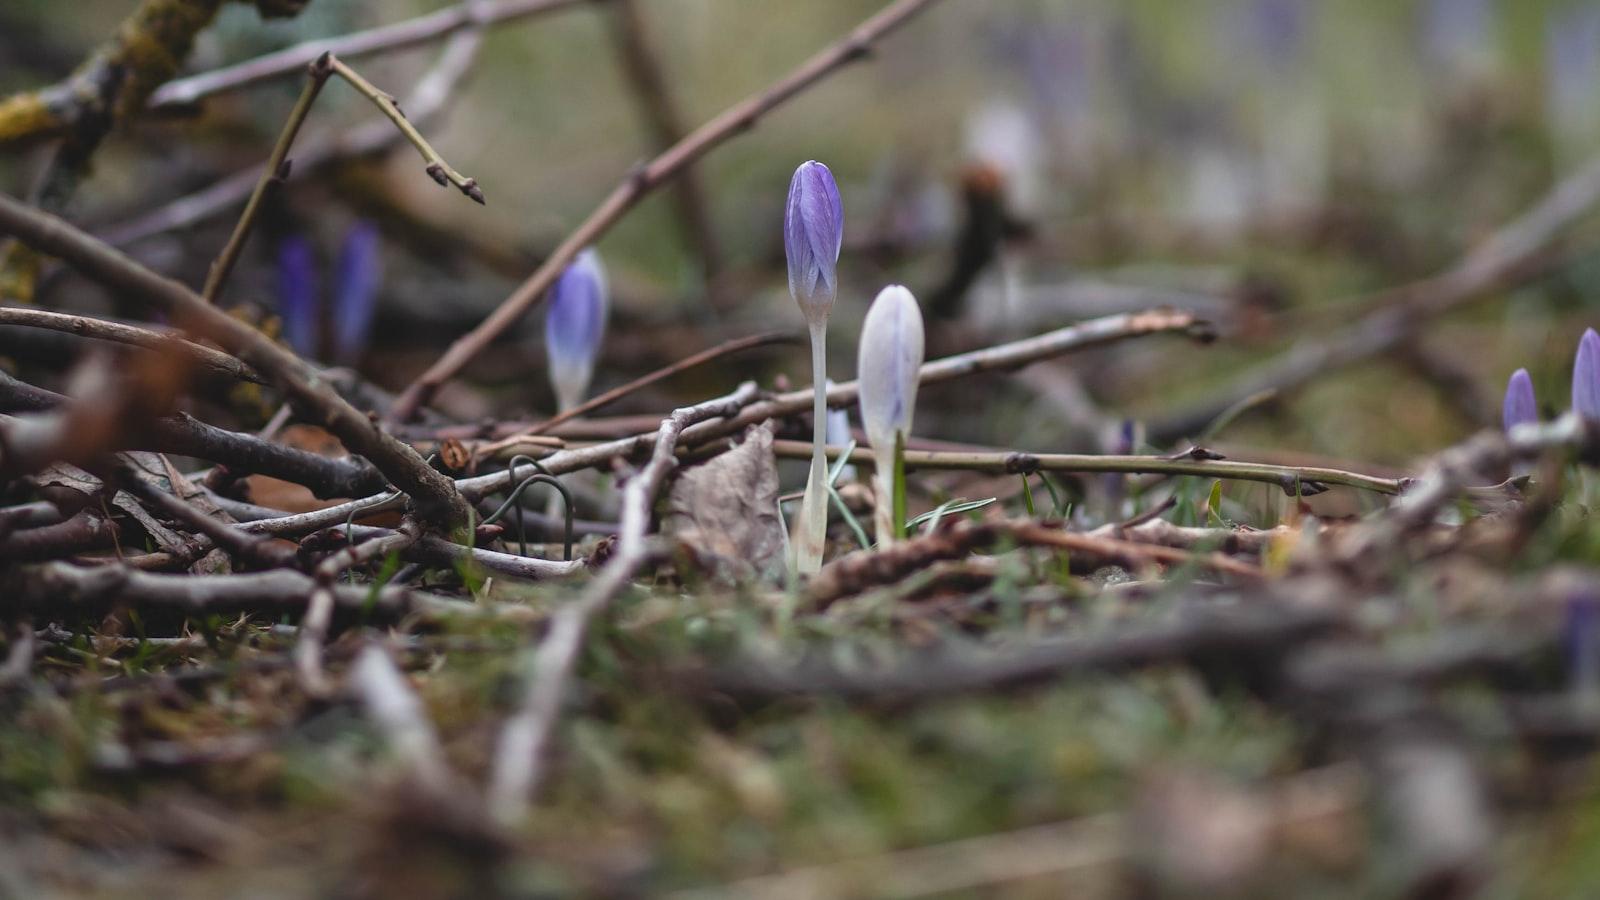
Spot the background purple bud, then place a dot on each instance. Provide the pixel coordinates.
(1572, 62)
(1455, 31)
(887, 365)
(813, 231)
(1520, 406)
(574, 325)
(298, 305)
(1581, 634)
(355, 299)
(1586, 376)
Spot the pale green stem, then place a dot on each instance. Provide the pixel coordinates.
(810, 539)
(889, 504)
(899, 492)
(883, 497)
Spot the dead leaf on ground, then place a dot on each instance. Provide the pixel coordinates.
(726, 510)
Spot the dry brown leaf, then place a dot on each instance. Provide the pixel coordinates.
(726, 510)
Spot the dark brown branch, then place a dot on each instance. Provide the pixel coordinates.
(85, 531)
(435, 495)
(241, 545)
(183, 435)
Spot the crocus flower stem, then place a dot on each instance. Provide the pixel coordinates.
(813, 533)
(889, 492)
(813, 227)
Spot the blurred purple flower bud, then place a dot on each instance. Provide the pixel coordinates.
(1520, 407)
(298, 304)
(355, 299)
(1581, 634)
(1455, 31)
(887, 366)
(813, 231)
(1279, 28)
(1586, 376)
(574, 326)
(1572, 60)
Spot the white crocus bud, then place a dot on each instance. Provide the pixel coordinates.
(888, 368)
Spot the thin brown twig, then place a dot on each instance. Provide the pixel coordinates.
(382, 39)
(642, 182)
(275, 172)
(1292, 479)
(103, 330)
(437, 169)
(602, 400)
(519, 753)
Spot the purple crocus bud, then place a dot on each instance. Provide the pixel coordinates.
(1454, 32)
(355, 299)
(1520, 407)
(1586, 376)
(298, 304)
(574, 326)
(1581, 634)
(1278, 29)
(888, 365)
(813, 231)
